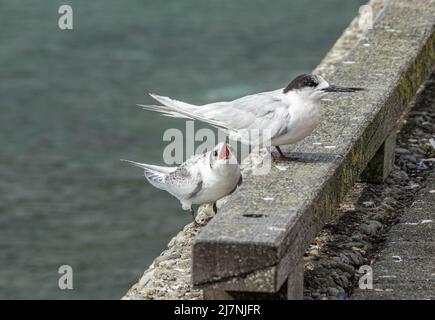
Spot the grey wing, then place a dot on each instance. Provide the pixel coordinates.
(157, 179)
(259, 111)
(184, 184)
(156, 175)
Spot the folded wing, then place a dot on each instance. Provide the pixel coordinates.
(156, 175)
(263, 111)
(184, 184)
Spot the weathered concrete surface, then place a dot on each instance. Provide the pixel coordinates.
(393, 60)
(380, 166)
(405, 268)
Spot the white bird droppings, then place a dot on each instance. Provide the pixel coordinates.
(397, 258)
(281, 168)
(417, 223)
(276, 228)
(268, 199)
(426, 221)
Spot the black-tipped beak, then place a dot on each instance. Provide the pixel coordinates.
(334, 88)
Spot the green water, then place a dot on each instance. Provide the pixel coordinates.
(68, 114)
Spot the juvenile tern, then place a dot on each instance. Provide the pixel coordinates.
(204, 178)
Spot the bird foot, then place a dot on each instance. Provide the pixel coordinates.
(281, 157)
(192, 212)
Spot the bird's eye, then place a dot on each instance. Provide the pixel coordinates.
(215, 153)
(312, 83)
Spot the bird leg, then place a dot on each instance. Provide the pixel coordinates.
(214, 208)
(192, 212)
(282, 157)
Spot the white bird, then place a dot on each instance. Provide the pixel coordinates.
(204, 178)
(289, 114)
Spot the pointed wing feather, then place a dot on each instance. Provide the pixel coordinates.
(165, 111)
(185, 110)
(258, 111)
(156, 175)
(254, 112)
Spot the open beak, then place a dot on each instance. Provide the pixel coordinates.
(334, 88)
(224, 153)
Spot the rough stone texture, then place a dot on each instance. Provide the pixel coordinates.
(235, 245)
(405, 267)
(169, 275)
(360, 226)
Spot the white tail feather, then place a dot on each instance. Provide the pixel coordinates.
(156, 175)
(179, 109)
(165, 111)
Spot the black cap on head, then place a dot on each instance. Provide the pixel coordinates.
(302, 81)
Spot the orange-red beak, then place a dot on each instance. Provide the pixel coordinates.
(224, 153)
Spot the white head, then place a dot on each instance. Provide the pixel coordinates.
(314, 87)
